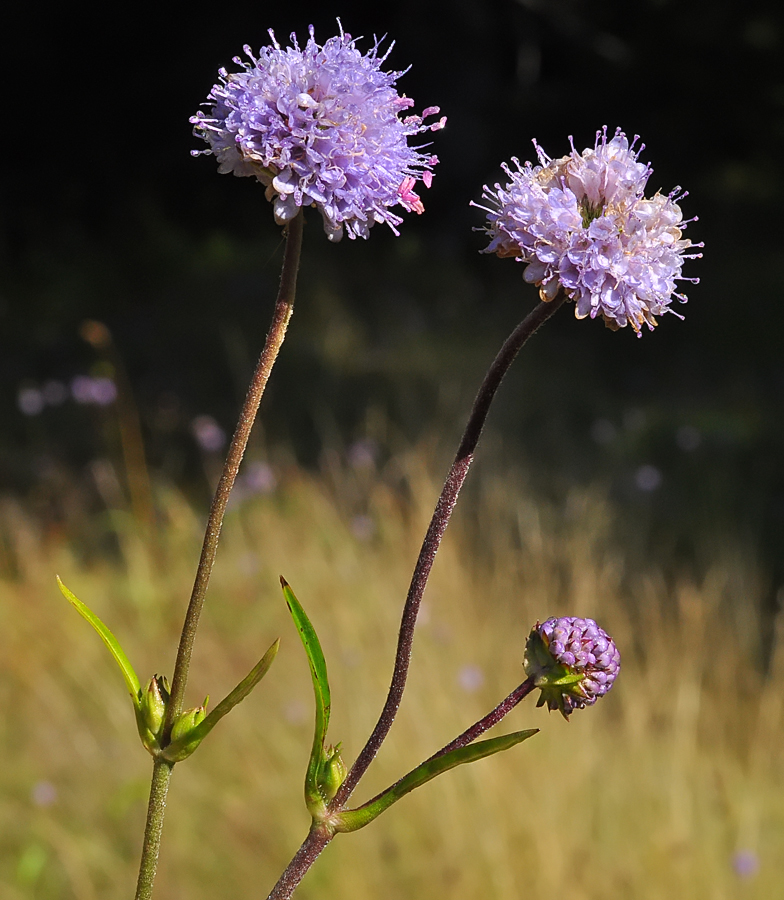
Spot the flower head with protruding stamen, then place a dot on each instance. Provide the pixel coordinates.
(582, 224)
(572, 660)
(320, 126)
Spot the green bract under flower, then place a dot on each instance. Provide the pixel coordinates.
(320, 126)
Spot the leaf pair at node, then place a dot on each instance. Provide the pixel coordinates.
(151, 705)
(326, 770)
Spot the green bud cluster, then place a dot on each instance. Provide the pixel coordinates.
(151, 712)
(187, 721)
(333, 772)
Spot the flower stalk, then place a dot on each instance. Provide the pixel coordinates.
(435, 532)
(162, 767)
(335, 817)
(284, 307)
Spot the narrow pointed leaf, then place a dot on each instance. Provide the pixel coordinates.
(131, 681)
(318, 672)
(353, 819)
(179, 750)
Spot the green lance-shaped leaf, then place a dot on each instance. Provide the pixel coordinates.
(131, 681)
(318, 671)
(184, 745)
(353, 819)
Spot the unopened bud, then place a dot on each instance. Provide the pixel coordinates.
(187, 721)
(154, 700)
(573, 661)
(333, 772)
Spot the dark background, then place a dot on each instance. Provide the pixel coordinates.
(106, 217)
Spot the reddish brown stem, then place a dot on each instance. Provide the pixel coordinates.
(492, 718)
(317, 839)
(435, 532)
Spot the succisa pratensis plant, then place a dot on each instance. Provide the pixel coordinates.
(323, 126)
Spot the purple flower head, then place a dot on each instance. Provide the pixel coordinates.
(583, 224)
(321, 126)
(573, 661)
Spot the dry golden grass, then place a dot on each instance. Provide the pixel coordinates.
(649, 795)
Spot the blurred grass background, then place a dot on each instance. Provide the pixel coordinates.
(636, 481)
(671, 786)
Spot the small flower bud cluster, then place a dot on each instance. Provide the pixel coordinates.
(573, 661)
(333, 772)
(151, 714)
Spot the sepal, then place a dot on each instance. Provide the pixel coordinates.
(555, 680)
(151, 713)
(154, 702)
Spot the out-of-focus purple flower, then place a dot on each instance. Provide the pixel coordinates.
(30, 401)
(573, 661)
(82, 389)
(209, 435)
(101, 391)
(648, 478)
(745, 863)
(363, 527)
(320, 126)
(470, 678)
(256, 478)
(362, 454)
(259, 478)
(43, 793)
(582, 224)
(104, 391)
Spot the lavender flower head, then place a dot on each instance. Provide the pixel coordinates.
(320, 126)
(583, 224)
(573, 661)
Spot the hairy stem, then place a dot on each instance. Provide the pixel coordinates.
(492, 718)
(317, 839)
(156, 809)
(284, 307)
(435, 532)
(162, 769)
(352, 819)
(319, 836)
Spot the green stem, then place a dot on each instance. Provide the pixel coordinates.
(156, 809)
(284, 307)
